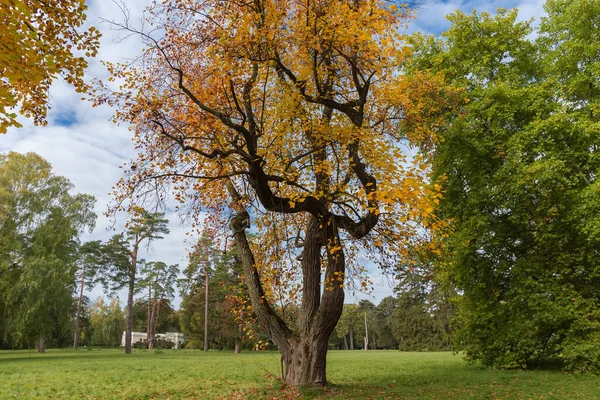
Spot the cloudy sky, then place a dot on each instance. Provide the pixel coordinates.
(82, 145)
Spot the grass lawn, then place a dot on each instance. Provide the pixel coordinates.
(188, 374)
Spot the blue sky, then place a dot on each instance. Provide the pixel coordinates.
(82, 145)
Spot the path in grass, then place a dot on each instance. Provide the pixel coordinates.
(109, 374)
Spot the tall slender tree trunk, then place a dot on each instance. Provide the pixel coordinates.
(345, 343)
(152, 330)
(77, 316)
(366, 333)
(206, 307)
(148, 322)
(351, 339)
(129, 323)
(238, 339)
(155, 316)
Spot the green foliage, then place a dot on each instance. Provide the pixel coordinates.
(168, 318)
(107, 323)
(118, 266)
(225, 271)
(519, 169)
(159, 344)
(40, 223)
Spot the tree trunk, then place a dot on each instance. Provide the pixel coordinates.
(351, 339)
(366, 333)
(154, 322)
(129, 323)
(76, 338)
(152, 330)
(345, 343)
(305, 362)
(304, 351)
(238, 340)
(206, 307)
(41, 344)
(148, 324)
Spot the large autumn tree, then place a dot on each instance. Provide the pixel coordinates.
(41, 40)
(289, 117)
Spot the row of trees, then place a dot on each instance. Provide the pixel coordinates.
(406, 322)
(43, 262)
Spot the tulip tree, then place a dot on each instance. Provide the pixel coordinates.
(287, 117)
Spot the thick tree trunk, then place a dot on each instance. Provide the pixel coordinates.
(305, 362)
(206, 307)
(304, 351)
(129, 322)
(41, 344)
(76, 338)
(345, 343)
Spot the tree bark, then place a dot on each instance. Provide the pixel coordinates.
(345, 343)
(304, 351)
(206, 307)
(41, 344)
(76, 338)
(154, 321)
(351, 339)
(129, 323)
(152, 330)
(148, 323)
(366, 333)
(305, 362)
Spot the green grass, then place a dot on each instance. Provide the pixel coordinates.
(109, 374)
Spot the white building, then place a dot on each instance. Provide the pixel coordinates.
(175, 337)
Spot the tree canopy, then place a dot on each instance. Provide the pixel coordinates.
(519, 170)
(40, 41)
(40, 225)
(288, 116)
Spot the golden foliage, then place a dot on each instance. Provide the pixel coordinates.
(40, 40)
(301, 105)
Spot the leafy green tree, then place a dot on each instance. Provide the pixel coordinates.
(519, 168)
(107, 322)
(119, 267)
(90, 253)
(348, 325)
(229, 318)
(382, 327)
(40, 224)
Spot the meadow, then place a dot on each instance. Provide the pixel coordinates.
(189, 374)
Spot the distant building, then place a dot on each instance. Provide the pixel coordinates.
(175, 337)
